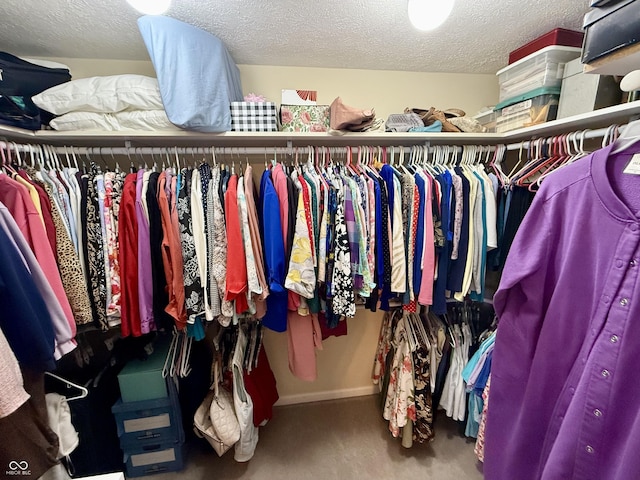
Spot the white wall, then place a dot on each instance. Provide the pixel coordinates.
(344, 366)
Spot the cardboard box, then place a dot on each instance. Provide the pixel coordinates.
(304, 118)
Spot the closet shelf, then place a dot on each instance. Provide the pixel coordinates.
(600, 118)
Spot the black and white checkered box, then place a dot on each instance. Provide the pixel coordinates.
(253, 109)
(254, 124)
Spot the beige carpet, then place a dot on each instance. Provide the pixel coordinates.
(340, 439)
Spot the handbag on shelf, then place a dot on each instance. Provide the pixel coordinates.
(344, 117)
(215, 419)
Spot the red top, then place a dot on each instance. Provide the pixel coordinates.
(128, 233)
(171, 257)
(236, 287)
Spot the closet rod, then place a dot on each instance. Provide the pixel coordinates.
(225, 151)
(164, 150)
(588, 134)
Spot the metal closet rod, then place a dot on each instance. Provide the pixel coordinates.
(588, 134)
(225, 151)
(232, 151)
(160, 150)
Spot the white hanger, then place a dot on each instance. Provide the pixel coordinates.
(185, 368)
(83, 390)
(166, 369)
(629, 136)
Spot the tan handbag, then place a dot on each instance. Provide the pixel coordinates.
(344, 117)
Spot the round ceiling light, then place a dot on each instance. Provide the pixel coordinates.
(429, 14)
(150, 7)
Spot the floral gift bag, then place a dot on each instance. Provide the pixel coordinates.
(304, 118)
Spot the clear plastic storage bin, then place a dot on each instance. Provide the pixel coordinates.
(488, 120)
(543, 69)
(534, 108)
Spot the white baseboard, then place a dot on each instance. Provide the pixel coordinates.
(327, 395)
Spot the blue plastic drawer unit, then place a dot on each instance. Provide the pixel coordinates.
(148, 422)
(157, 458)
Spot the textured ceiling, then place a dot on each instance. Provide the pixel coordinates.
(373, 34)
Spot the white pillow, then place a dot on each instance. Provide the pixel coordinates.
(102, 94)
(128, 120)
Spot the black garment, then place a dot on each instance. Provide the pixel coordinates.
(444, 253)
(224, 181)
(205, 177)
(520, 202)
(493, 257)
(83, 182)
(193, 293)
(95, 253)
(160, 296)
(327, 289)
(386, 248)
(441, 375)
(99, 449)
(423, 426)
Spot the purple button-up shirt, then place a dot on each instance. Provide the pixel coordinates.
(564, 401)
(145, 276)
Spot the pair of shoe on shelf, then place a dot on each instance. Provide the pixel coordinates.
(453, 120)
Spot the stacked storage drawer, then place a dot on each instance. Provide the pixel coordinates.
(537, 75)
(150, 429)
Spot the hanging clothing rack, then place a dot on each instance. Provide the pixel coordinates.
(579, 135)
(289, 149)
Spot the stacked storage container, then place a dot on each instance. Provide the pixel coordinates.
(148, 418)
(530, 88)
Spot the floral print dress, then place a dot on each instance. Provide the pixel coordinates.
(400, 405)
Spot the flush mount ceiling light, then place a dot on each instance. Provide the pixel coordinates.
(429, 14)
(150, 7)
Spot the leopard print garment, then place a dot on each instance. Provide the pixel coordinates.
(68, 262)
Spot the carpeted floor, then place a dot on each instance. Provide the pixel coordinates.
(341, 439)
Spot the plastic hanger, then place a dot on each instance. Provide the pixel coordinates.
(628, 137)
(18, 156)
(165, 367)
(83, 390)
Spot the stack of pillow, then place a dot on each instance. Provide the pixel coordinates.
(112, 103)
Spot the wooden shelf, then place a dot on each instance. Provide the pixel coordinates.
(600, 118)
